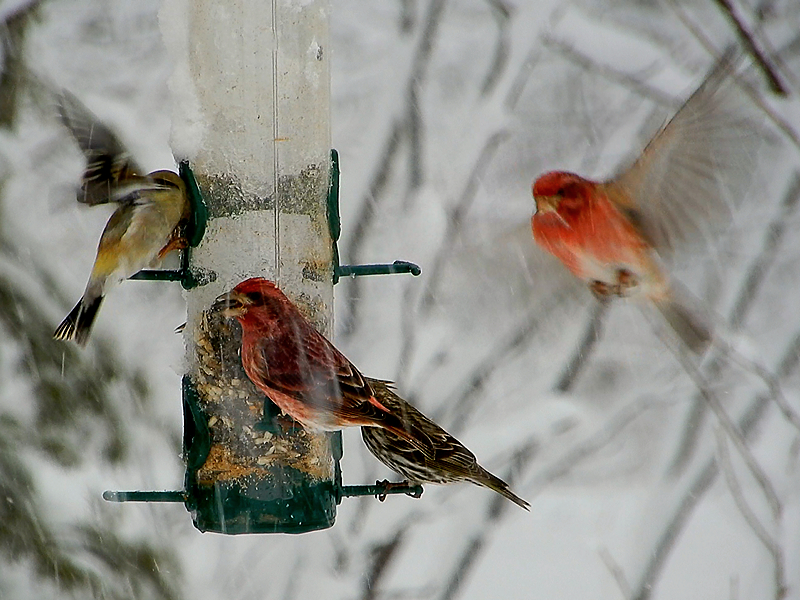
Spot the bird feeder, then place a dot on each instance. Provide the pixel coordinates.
(248, 468)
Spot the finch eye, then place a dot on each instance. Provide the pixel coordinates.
(253, 298)
(567, 191)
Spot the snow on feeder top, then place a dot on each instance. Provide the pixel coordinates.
(261, 79)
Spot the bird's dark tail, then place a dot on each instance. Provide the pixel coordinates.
(78, 323)
(496, 484)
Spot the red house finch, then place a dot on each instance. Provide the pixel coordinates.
(442, 459)
(141, 231)
(613, 234)
(297, 367)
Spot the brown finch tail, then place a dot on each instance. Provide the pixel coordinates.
(690, 326)
(78, 323)
(496, 484)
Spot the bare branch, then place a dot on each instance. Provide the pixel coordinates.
(496, 510)
(611, 428)
(730, 428)
(749, 41)
(457, 215)
(745, 300)
(502, 14)
(770, 380)
(464, 400)
(589, 64)
(363, 221)
(724, 461)
(406, 127)
(382, 556)
(580, 357)
(759, 269)
(782, 124)
(703, 482)
(521, 78)
(616, 572)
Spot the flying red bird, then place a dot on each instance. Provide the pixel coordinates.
(616, 234)
(297, 367)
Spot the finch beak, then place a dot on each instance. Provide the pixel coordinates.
(230, 305)
(546, 204)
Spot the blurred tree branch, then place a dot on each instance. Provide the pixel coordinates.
(753, 47)
(772, 546)
(745, 301)
(694, 492)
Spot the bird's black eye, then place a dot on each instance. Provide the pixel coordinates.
(567, 190)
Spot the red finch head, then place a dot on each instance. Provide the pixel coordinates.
(559, 189)
(255, 301)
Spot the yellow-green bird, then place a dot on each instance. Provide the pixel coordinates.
(146, 227)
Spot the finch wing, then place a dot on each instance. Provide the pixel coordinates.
(302, 363)
(108, 164)
(682, 189)
(432, 443)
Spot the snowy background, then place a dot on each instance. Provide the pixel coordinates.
(443, 114)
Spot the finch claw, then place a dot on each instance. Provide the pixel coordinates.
(602, 290)
(391, 485)
(175, 243)
(626, 281)
(386, 485)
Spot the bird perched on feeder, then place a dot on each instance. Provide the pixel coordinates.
(442, 459)
(298, 368)
(615, 234)
(145, 227)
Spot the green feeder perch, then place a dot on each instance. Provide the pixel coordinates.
(339, 271)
